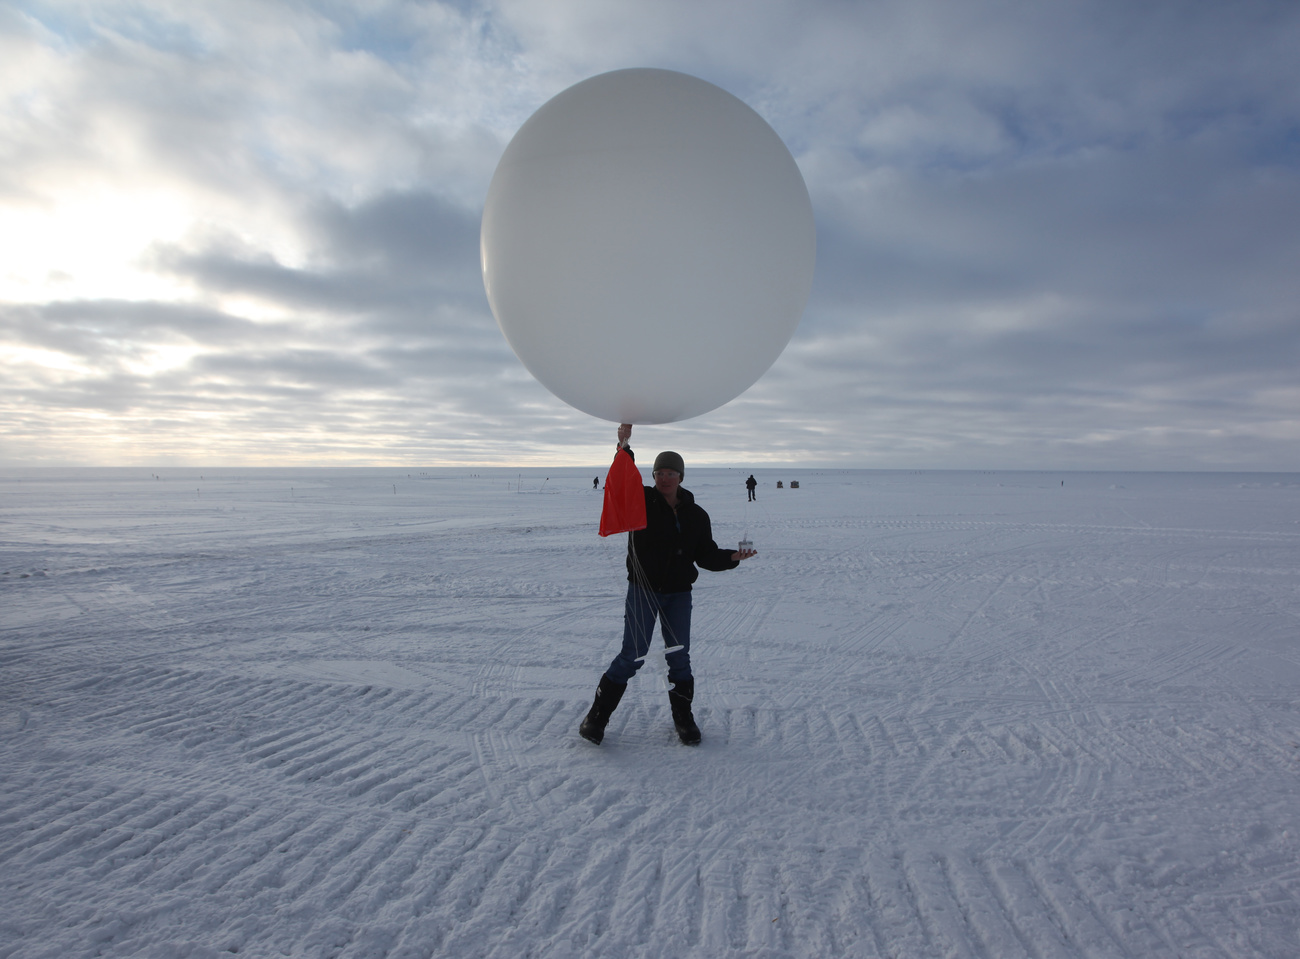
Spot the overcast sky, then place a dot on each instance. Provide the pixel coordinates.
(1056, 235)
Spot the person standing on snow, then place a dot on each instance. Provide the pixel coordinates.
(661, 566)
(751, 484)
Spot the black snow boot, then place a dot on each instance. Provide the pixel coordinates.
(608, 693)
(679, 697)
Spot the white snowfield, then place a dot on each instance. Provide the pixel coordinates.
(334, 713)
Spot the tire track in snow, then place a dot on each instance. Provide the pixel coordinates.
(917, 903)
(310, 751)
(368, 762)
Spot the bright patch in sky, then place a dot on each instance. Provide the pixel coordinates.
(89, 245)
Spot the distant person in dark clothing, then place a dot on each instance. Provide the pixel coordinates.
(661, 566)
(751, 484)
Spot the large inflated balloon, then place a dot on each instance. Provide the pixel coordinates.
(648, 246)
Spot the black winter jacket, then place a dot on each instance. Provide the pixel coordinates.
(673, 544)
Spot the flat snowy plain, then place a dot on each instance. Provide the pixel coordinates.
(334, 713)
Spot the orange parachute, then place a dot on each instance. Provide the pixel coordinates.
(624, 509)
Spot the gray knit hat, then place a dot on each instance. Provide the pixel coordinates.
(668, 460)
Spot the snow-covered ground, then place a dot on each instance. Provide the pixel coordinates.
(318, 713)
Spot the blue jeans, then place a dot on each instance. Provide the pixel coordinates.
(673, 611)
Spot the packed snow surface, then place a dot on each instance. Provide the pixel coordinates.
(334, 713)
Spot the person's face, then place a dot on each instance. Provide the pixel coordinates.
(667, 481)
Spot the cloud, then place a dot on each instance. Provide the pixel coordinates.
(1054, 234)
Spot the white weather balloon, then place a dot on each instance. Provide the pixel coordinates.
(647, 245)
